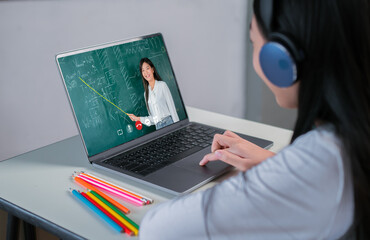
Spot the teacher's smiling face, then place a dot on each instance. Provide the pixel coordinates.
(148, 72)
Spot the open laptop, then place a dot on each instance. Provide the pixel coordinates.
(140, 132)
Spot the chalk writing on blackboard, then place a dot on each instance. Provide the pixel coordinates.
(102, 96)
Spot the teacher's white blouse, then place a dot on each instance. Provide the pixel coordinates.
(160, 104)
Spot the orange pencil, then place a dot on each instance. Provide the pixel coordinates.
(109, 199)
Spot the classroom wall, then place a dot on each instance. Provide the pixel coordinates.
(207, 41)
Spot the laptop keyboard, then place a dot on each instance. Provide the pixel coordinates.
(163, 151)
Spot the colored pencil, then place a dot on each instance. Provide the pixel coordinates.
(96, 210)
(115, 209)
(121, 219)
(146, 200)
(91, 187)
(127, 231)
(112, 190)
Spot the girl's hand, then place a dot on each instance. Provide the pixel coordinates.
(133, 117)
(235, 151)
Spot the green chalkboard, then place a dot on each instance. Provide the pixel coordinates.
(104, 83)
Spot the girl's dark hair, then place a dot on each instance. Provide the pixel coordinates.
(145, 82)
(334, 79)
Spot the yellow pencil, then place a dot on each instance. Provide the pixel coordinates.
(111, 211)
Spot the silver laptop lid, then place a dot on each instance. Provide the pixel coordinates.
(105, 84)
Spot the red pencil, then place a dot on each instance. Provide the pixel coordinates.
(127, 231)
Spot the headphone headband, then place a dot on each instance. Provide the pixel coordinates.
(266, 9)
(283, 39)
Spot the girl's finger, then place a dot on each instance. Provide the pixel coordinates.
(231, 134)
(231, 159)
(207, 158)
(221, 142)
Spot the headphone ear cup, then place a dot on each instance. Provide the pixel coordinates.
(277, 64)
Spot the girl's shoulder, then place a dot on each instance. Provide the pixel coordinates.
(313, 155)
(321, 138)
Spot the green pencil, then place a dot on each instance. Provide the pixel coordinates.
(115, 209)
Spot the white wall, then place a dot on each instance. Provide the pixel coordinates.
(205, 39)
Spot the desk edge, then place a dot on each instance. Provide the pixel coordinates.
(37, 221)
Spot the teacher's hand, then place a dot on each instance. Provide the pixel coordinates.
(133, 117)
(235, 151)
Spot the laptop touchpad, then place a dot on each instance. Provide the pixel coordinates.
(175, 178)
(192, 163)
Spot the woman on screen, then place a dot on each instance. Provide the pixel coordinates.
(314, 55)
(158, 98)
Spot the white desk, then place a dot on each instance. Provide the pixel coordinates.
(34, 186)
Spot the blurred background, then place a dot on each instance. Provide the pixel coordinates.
(207, 41)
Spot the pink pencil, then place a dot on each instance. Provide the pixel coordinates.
(146, 200)
(111, 190)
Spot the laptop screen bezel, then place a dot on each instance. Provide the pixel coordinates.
(135, 142)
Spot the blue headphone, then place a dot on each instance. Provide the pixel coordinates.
(279, 56)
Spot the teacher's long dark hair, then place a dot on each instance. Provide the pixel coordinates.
(334, 80)
(145, 82)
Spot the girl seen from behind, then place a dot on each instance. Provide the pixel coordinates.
(318, 186)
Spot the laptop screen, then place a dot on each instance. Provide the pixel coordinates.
(121, 91)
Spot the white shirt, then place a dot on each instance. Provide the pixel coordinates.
(303, 192)
(160, 104)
